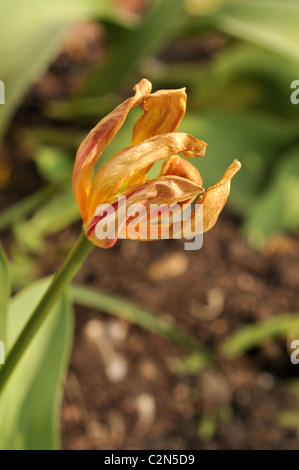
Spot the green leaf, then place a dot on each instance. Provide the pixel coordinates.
(81, 107)
(29, 405)
(56, 214)
(54, 164)
(162, 22)
(23, 267)
(191, 365)
(241, 76)
(260, 333)
(121, 308)
(22, 209)
(277, 209)
(5, 287)
(31, 34)
(256, 139)
(244, 76)
(272, 24)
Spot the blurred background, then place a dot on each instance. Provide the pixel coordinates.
(170, 349)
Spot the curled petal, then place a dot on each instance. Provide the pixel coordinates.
(96, 141)
(120, 168)
(166, 190)
(178, 166)
(215, 197)
(213, 200)
(163, 112)
(161, 190)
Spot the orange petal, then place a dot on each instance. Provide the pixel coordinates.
(215, 197)
(178, 166)
(96, 141)
(213, 200)
(164, 111)
(166, 190)
(119, 169)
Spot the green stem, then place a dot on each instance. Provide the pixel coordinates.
(72, 264)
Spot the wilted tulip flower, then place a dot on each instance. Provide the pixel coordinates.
(121, 183)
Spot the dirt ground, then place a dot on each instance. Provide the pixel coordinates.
(133, 399)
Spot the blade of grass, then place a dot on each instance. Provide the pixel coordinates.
(5, 288)
(261, 332)
(107, 303)
(22, 208)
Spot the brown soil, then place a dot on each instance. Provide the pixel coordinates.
(144, 404)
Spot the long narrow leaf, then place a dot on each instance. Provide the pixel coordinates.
(22, 208)
(31, 34)
(259, 333)
(4, 292)
(30, 403)
(271, 24)
(94, 298)
(160, 25)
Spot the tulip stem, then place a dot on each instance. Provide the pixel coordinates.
(61, 280)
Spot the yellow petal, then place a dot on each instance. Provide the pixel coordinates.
(97, 140)
(178, 166)
(166, 190)
(119, 169)
(161, 190)
(215, 197)
(213, 200)
(163, 112)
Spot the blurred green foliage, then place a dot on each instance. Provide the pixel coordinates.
(5, 283)
(95, 299)
(290, 418)
(238, 100)
(31, 35)
(30, 404)
(261, 333)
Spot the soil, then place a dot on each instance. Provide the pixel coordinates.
(144, 404)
